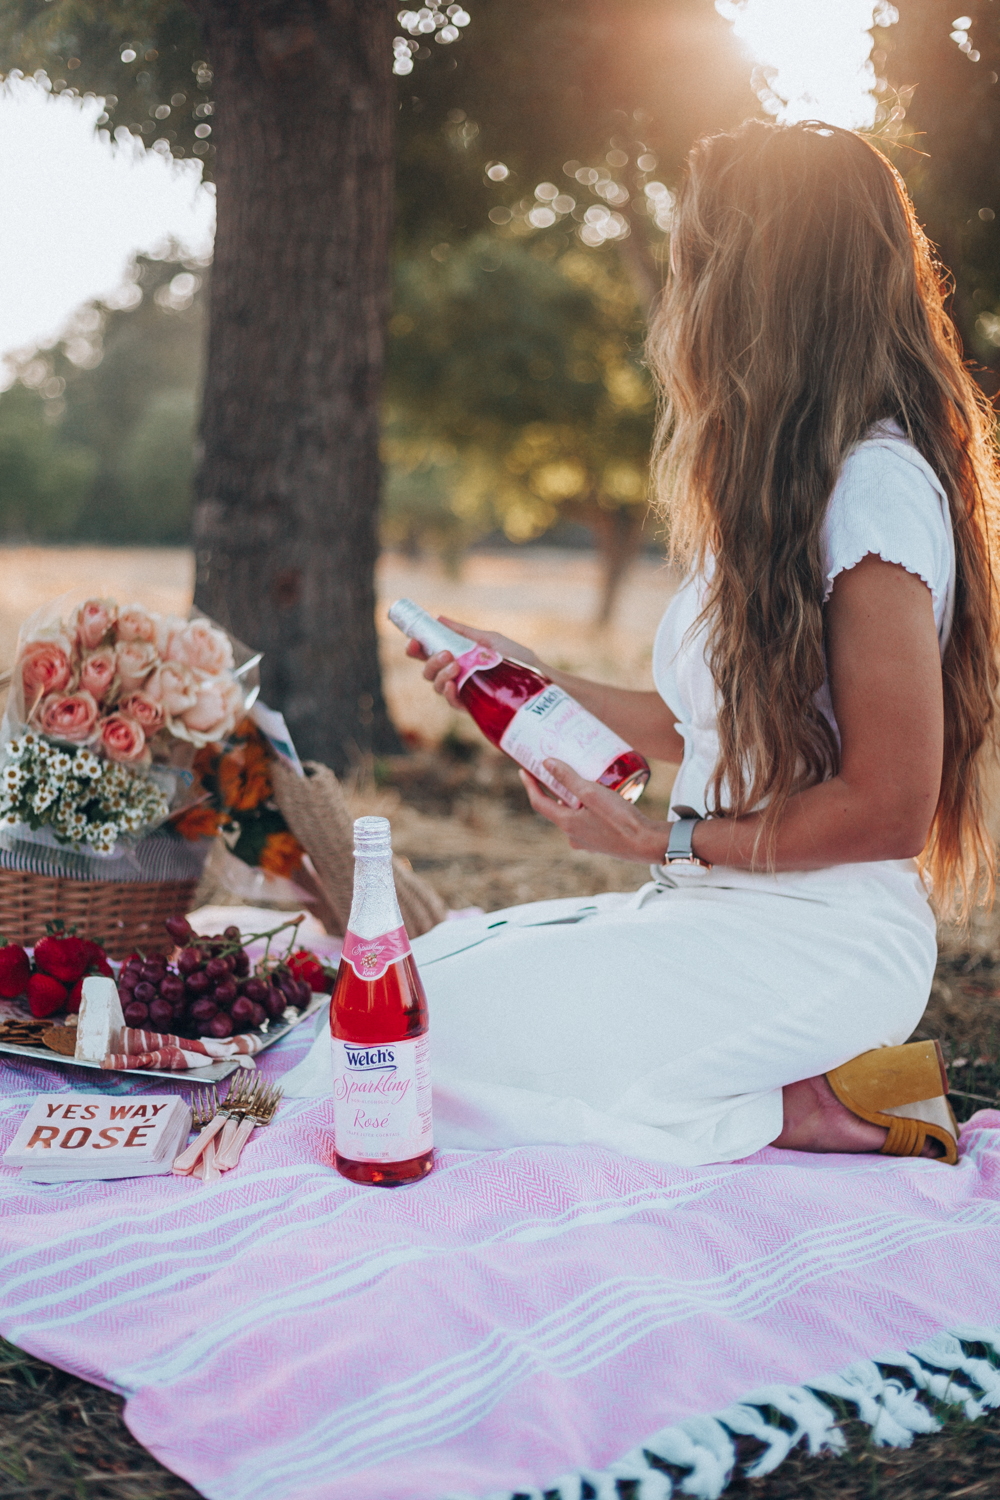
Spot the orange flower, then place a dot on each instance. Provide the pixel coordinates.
(199, 822)
(244, 778)
(282, 854)
(206, 759)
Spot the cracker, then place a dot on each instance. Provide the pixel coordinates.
(60, 1039)
(26, 1033)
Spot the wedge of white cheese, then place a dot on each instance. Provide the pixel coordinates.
(99, 1029)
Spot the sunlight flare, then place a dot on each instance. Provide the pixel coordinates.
(814, 56)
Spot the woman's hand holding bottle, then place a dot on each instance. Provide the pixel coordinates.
(602, 822)
(442, 669)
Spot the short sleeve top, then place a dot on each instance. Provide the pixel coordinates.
(887, 500)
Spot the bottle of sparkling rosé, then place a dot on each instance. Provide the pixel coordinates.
(525, 714)
(378, 1018)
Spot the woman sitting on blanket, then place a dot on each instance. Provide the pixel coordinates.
(826, 678)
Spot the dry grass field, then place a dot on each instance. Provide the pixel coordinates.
(460, 816)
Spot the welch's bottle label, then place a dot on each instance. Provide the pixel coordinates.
(382, 1099)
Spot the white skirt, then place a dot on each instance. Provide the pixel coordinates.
(665, 1023)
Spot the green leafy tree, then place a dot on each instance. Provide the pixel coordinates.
(595, 98)
(522, 355)
(43, 480)
(423, 477)
(137, 405)
(943, 64)
(156, 462)
(522, 360)
(120, 387)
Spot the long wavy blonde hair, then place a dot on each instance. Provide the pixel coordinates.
(804, 306)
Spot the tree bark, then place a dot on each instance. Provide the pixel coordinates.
(288, 485)
(619, 537)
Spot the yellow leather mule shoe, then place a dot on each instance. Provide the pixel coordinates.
(905, 1090)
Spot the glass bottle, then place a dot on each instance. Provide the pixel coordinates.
(378, 1021)
(525, 714)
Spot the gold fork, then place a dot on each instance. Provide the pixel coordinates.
(244, 1104)
(204, 1106)
(239, 1087)
(261, 1111)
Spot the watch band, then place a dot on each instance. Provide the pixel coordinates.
(679, 851)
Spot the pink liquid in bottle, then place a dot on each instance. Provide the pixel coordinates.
(525, 714)
(378, 1023)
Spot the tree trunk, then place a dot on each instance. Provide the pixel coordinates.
(288, 486)
(619, 537)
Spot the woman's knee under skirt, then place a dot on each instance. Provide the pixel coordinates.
(665, 1023)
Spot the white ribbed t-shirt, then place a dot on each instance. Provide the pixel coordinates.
(887, 500)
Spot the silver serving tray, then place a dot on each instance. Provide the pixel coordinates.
(211, 1073)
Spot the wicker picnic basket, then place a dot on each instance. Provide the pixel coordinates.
(121, 901)
(315, 810)
(121, 915)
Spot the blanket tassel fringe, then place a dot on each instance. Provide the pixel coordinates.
(946, 1370)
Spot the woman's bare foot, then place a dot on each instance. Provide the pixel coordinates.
(815, 1120)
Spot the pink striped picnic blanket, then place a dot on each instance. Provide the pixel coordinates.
(523, 1321)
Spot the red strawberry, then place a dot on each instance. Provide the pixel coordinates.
(45, 995)
(305, 965)
(64, 956)
(15, 971)
(98, 960)
(99, 966)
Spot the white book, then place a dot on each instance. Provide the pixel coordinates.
(79, 1137)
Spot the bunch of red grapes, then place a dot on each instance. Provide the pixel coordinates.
(208, 989)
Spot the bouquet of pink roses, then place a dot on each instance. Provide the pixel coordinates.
(106, 709)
